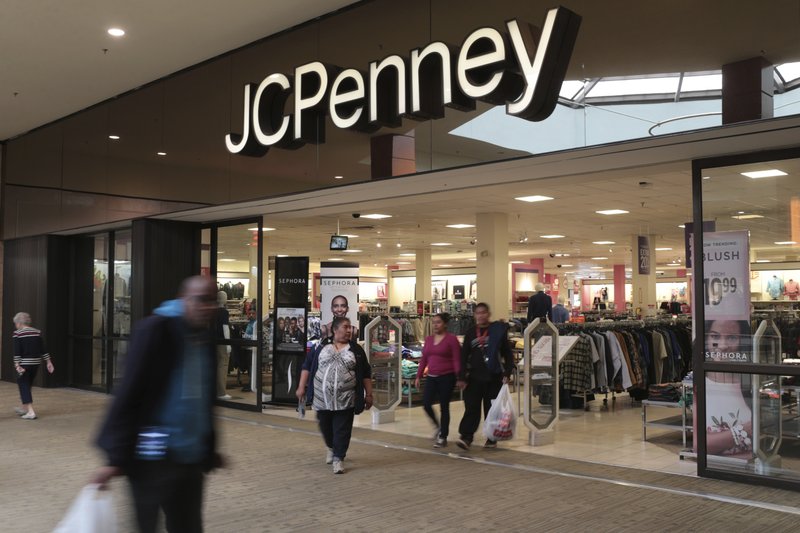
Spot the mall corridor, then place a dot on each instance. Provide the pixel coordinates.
(277, 481)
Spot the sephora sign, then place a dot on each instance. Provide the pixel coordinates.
(511, 69)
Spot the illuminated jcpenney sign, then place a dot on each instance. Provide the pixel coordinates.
(507, 69)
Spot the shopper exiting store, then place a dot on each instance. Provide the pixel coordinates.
(441, 355)
(29, 353)
(486, 365)
(339, 381)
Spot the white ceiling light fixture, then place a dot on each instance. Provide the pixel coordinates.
(283, 255)
(399, 245)
(335, 259)
(376, 216)
(612, 212)
(161, 153)
(603, 242)
(114, 137)
(378, 245)
(596, 268)
(768, 173)
(403, 262)
(352, 251)
(663, 249)
(441, 244)
(517, 262)
(460, 226)
(350, 236)
(566, 265)
(226, 259)
(262, 229)
(599, 258)
(682, 226)
(785, 242)
(445, 266)
(706, 177)
(746, 217)
(763, 261)
(534, 198)
(407, 254)
(551, 236)
(338, 177)
(116, 32)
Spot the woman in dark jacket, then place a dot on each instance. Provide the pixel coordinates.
(29, 353)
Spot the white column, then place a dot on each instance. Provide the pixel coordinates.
(644, 286)
(492, 255)
(424, 266)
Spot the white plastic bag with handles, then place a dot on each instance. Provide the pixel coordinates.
(501, 422)
(91, 512)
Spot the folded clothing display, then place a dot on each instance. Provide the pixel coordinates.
(664, 392)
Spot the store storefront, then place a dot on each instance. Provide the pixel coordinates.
(458, 173)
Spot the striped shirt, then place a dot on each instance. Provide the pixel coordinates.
(29, 347)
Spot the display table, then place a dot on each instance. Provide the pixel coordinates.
(680, 422)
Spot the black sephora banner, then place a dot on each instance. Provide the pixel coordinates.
(289, 327)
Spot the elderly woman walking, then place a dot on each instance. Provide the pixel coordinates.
(29, 353)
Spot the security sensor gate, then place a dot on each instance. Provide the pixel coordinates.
(383, 337)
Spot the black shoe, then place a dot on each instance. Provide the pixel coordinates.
(490, 444)
(462, 443)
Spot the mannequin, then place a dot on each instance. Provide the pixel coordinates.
(792, 289)
(775, 287)
(540, 305)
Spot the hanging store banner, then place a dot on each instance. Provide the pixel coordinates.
(339, 291)
(643, 258)
(289, 337)
(726, 275)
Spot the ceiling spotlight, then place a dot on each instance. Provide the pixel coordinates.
(378, 245)
(612, 212)
(399, 245)
(116, 32)
(603, 242)
(338, 177)
(534, 198)
(114, 137)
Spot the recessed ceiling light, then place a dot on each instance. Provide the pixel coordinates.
(283, 255)
(472, 259)
(350, 236)
(746, 217)
(763, 261)
(603, 242)
(681, 226)
(706, 177)
(399, 245)
(598, 258)
(517, 262)
(408, 254)
(335, 259)
(612, 212)
(226, 259)
(444, 266)
(116, 32)
(352, 251)
(769, 173)
(534, 198)
(403, 263)
(460, 226)
(565, 265)
(785, 242)
(441, 244)
(161, 153)
(663, 249)
(114, 137)
(565, 255)
(338, 177)
(673, 264)
(376, 216)
(378, 245)
(596, 268)
(551, 236)
(262, 229)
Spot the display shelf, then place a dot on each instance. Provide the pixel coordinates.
(672, 423)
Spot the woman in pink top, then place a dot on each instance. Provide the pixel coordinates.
(442, 356)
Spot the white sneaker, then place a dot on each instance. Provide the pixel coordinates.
(329, 456)
(338, 467)
(29, 416)
(20, 411)
(225, 397)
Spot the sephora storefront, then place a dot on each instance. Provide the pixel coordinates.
(435, 111)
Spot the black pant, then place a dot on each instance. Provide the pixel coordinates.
(478, 392)
(175, 488)
(25, 383)
(336, 428)
(440, 387)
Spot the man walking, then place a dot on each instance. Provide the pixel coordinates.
(486, 364)
(159, 431)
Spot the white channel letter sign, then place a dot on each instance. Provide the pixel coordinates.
(489, 66)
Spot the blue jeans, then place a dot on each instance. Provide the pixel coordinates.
(440, 387)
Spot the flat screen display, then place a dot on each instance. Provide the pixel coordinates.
(338, 242)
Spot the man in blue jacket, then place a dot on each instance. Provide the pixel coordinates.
(486, 364)
(159, 431)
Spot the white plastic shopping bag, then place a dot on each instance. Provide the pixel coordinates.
(501, 422)
(91, 512)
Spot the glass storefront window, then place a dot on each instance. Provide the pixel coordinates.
(749, 424)
(122, 283)
(100, 285)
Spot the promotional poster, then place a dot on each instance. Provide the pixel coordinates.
(339, 294)
(289, 341)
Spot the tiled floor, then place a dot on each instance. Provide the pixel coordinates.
(612, 436)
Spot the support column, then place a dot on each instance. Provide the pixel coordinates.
(747, 88)
(619, 287)
(424, 264)
(492, 232)
(644, 285)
